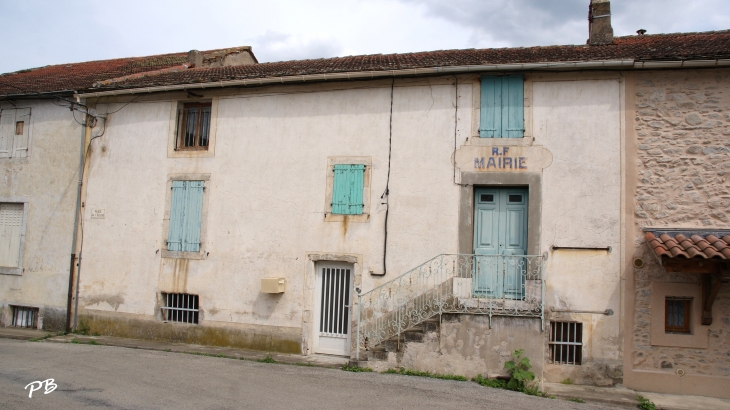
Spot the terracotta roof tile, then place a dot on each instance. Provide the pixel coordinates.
(80, 76)
(694, 247)
(83, 76)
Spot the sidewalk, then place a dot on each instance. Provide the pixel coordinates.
(314, 360)
(626, 398)
(619, 396)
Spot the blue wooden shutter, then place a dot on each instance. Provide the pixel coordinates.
(177, 216)
(186, 210)
(490, 125)
(513, 107)
(347, 189)
(193, 215)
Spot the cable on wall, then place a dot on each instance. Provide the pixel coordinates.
(387, 181)
(456, 122)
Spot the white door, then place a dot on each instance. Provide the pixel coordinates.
(334, 296)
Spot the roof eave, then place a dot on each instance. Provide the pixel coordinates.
(352, 75)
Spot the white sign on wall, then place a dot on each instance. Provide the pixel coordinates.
(98, 213)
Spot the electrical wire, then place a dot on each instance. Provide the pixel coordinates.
(386, 193)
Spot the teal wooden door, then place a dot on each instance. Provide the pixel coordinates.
(500, 241)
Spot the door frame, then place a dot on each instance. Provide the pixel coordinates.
(472, 180)
(318, 304)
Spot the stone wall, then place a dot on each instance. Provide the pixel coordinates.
(682, 126)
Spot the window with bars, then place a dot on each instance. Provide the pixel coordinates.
(566, 343)
(180, 307)
(193, 126)
(25, 316)
(676, 314)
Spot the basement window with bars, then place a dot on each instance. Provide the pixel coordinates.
(180, 308)
(566, 343)
(25, 316)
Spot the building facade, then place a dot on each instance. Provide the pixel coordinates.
(434, 211)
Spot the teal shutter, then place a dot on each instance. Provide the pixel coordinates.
(177, 216)
(186, 210)
(502, 107)
(347, 189)
(490, 124)
(513, 107)
(193, 215)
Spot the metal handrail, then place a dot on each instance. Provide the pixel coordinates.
(494, 285)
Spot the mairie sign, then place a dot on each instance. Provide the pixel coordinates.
(500, 159)
(513, 158)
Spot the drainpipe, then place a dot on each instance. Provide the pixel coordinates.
(74, 257)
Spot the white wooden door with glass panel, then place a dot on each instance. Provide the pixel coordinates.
(333, 299)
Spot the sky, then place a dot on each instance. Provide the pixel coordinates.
(38, 33)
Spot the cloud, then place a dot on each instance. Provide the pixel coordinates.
(512, 23)
(276, 46)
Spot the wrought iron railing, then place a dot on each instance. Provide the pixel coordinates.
(494, 285)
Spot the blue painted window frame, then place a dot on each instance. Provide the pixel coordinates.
(186, 212)
(347, 189)
(502, 107)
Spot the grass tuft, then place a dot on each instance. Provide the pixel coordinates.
(576, 399)
(566, 381)
(267, 359)
(405, 372)
(356, 369)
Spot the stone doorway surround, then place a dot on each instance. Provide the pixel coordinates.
(310, 294)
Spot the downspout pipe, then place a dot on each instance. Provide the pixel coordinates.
(74, 243)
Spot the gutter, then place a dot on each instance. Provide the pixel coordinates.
(352, 75)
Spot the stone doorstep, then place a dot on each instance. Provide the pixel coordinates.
(678, 402)
(314, 360)
(613, 395)
(624, 397)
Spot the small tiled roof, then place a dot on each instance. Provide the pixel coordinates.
(110, 74)
(695, 247)
(81, 76)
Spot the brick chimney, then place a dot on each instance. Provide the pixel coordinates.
(599, 23)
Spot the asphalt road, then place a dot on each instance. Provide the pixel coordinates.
(91, 377)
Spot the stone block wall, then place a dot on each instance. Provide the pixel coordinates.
(682, 127)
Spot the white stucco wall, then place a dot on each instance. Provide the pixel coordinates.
(48, 181)
(579, 123)
(266, 197)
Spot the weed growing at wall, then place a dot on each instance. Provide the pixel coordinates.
(267, 359)
(405, 372)
(566, 381)
(356, 369)
(519, 371)
(494, 383)
(576, 400)
(645, 404)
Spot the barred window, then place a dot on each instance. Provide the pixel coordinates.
(180, 307)
(193, 126)
(25, 316)
(566, 343)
